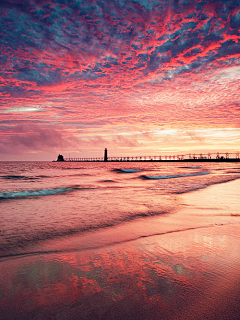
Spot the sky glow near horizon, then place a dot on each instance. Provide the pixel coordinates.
(139, 77)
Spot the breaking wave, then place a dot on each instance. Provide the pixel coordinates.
(34, 193)
(175, 176)
(126, 170)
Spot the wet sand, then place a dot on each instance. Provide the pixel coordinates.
(185, 265)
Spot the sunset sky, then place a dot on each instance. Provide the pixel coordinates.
(140, 77)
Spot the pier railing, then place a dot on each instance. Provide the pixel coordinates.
(186, 157)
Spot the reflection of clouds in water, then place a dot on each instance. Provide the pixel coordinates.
(171, 275)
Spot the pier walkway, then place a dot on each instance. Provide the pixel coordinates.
(191, 157)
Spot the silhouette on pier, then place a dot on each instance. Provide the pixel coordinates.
(191, 157)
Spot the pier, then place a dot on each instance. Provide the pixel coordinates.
(190, 157)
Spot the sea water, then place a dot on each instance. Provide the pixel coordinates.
(119, 240)
(40, 201)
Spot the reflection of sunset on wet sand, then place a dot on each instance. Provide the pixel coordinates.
(172, 276)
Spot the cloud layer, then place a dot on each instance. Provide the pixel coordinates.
(92, 73)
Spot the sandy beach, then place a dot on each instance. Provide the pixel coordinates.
(184, 265)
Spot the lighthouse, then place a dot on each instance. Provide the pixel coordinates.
(105, 155)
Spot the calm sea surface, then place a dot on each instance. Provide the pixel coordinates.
(40, 201)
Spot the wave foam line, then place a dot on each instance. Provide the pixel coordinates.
(33, 193)
(19, 255)
(126, 170)
(175, 176)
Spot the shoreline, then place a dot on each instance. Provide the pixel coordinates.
(188, 275)
(183, 265)
(179, 220)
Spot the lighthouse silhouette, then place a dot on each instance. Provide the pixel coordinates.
(105, 155)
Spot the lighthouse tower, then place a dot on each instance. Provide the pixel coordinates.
(105, 155)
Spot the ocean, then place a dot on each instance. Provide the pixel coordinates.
(40, 201)
(112, 240)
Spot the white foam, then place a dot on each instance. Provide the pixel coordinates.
(176, 176)
(33, 193)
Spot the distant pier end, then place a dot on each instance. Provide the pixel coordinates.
(105, 155)
(60, 158)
